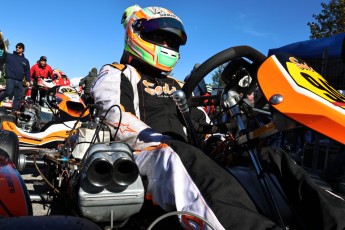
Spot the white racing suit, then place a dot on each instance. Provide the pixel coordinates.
(180, 177)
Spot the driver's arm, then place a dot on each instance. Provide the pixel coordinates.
(113, 90)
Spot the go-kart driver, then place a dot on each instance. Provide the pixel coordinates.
(180, 176)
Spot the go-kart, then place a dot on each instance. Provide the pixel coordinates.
(59, 78)
(98, 177)
(68, 110)
(44, 83)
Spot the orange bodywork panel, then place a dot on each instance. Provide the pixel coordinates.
(32, 139)
(306, 96)
(68, 95)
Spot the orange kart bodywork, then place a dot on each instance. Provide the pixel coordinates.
(305, 96)
(69, 102)
(54, 134)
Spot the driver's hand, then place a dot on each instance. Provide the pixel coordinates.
(28, 84)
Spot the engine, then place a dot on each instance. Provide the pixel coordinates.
(110, 188)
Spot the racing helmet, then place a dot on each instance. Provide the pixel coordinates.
(154, 35)
(58, 74)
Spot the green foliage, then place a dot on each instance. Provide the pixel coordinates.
(330, 21)
(216, 76)
(2, 68)
(2, 77)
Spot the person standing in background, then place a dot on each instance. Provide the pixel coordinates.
(43, 70)
(86, 84)
(17, 68)
(200, 89)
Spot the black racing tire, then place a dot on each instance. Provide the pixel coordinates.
(9, 142)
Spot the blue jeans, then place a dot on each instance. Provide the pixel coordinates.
(13, 88)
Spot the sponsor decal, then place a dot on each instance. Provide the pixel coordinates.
(151, 89)
(124, 128)
(73, 132)
(306, 77)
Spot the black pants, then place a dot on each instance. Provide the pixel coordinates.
(34, 93)
(14, 88)
(313, 207)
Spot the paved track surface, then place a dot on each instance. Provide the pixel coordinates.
(42, 205)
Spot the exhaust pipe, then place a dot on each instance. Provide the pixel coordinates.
(125, 171)
(106, 164)
(100, 172)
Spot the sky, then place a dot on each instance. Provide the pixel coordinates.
(77, 35)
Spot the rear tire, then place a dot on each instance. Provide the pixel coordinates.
(9, 142)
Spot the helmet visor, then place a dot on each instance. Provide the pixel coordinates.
(162, 38)
(168, 24)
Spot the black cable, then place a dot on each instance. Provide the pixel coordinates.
(120, 120)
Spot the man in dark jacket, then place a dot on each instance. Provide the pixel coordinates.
(86, 84)
(17, 68)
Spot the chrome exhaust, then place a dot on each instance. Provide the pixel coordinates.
(125, 171)
(100, 172)
(106, 164)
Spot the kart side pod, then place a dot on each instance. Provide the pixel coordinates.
(110, 186)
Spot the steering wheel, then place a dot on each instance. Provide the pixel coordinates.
(223, 57)
(51, 97)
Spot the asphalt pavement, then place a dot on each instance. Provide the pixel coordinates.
(43, 204)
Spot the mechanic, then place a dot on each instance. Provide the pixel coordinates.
(136, 96)
(40, 70)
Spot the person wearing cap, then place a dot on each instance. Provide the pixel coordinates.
(17, 68)
(40, 70)
(86, 84)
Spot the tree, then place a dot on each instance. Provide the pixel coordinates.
(2, 68)
(2, 77)
(216, 76)
(330, 21)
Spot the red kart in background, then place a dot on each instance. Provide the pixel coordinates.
(60, 78)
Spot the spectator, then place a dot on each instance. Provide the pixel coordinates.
(40, 70)
(86, 84)
(200, 89)
(17, 69)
